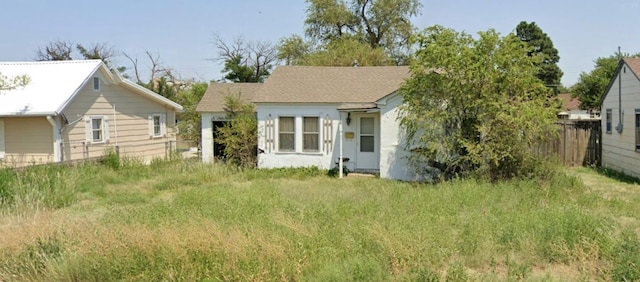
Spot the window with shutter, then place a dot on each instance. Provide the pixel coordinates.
(97, 129)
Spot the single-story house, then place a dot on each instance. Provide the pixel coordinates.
(310, 116)
(75, 110)
(570, 109)
(620, 107)
(213, 115)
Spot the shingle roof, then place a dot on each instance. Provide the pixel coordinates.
(634, 64)
(52, 84)
(213, 98)
(304, 84)
(569, 103)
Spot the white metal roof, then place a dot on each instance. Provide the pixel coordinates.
(53, 84)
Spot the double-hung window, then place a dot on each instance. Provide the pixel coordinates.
(311, 134)
(157, 127)
(97, 129)
(286, 134)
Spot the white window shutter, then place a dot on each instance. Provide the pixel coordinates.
(105, 128)
(87, 130)
(150, 126)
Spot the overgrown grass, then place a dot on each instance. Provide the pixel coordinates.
(182, 220)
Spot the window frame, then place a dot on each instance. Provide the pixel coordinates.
(607, 121)
(292, 133)
(99, 129)
(161, 126)
(90, 130)
(637, 133)
(96, 83)
(316, 133)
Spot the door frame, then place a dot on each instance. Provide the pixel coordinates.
(368, 160)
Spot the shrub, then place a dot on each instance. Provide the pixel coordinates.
(111, 159)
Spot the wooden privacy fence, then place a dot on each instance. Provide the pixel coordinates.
(577, 143)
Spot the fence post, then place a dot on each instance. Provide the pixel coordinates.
(118, 151)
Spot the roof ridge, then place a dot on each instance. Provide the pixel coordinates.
(23, 63)
(344, 67)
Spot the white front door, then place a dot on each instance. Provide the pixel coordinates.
(368, 141)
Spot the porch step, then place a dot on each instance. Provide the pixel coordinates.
(365, 171)
(355, 174)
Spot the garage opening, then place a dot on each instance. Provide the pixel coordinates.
(218, 149)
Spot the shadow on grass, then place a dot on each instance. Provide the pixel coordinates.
(616, 175)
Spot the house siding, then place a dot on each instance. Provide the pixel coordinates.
(393, 157)
(324, 159)
(128, 117)
(618, 149)
(27, 140)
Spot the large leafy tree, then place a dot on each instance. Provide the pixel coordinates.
(542, 46)
(591, 86)
(382, 24)
(347, 51)
(293, 50)
(474, 105)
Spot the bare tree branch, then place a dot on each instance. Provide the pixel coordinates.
(57, 50)
(97, 51)
(134, 63)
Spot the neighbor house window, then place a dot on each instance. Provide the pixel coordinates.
(637, 129)
(96, 84)
(311, 134)
(607, 120)
(97, 129)
(286, 134)
(156, 125)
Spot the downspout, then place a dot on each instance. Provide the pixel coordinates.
(57, 156)
(340, 162)
(619, 127)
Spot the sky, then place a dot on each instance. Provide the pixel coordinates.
(182, 32)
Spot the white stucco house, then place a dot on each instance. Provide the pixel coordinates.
(310, 116)
(75, 110)
(213, 115)
(620, 108)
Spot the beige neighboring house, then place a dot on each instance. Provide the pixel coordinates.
(213, 115)
(620, 108)
(75, 110)
(311, 116)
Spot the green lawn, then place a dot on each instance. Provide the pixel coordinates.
(187, 221)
